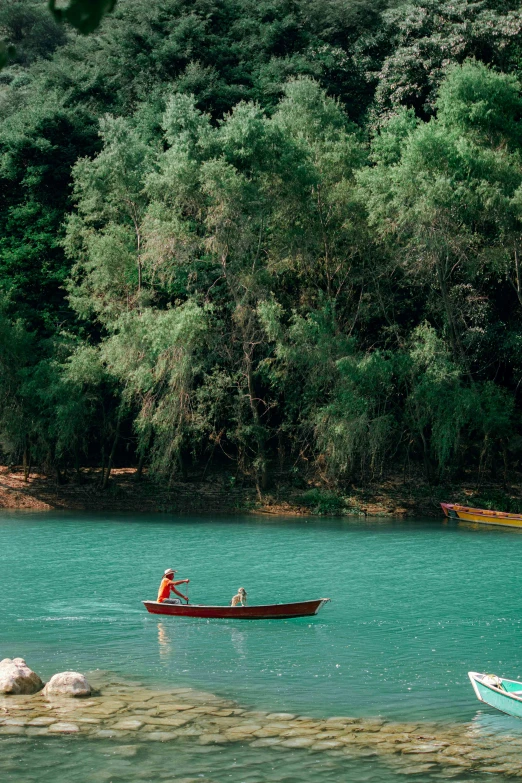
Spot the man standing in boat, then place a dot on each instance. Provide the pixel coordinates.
(167, 585)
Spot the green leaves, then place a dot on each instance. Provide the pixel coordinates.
(202, 249)
(84, 15)
(475, 100)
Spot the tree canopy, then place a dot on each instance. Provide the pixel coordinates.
(275, 236)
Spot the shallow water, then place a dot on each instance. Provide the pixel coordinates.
(415, 605)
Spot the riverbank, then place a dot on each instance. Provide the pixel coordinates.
(221, 493)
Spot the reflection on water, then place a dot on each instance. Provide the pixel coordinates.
(239, 642)
(491, 722)
(164, 641)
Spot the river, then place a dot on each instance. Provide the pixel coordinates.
(415, 606)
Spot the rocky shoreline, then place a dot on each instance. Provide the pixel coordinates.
(131, 714)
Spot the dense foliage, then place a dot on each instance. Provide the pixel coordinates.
(277, 235)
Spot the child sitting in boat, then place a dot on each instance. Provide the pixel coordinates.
(167, 585)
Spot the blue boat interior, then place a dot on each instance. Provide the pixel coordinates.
(511, 687)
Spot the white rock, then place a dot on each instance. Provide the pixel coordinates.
(160, 736)
(67, 684)
(244, 728)
(109, 734)
(125, 750)
(280, 716)
(266, 742)
(17, 678)
(326, 745)
(128, 724)
(212, 739)
(37, 731)
(298, 742)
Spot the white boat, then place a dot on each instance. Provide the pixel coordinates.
(504, 695)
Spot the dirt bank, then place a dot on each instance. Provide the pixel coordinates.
(220, 493)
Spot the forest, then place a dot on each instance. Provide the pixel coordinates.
(282, 235)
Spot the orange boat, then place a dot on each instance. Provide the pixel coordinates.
(481, 515)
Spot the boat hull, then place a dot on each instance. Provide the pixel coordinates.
(506, 702)
(267, 612)
(481, 515)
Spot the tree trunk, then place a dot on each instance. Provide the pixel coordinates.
(426, 456)
(103, 463)
(456, 343)
(262, 470)
(27, 463)
(139, 471)
(141, 461)
(182, 464)
(111, 456)
(77, 467)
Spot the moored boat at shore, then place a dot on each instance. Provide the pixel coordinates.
(482, 515)
(504, 695)
(263, 612)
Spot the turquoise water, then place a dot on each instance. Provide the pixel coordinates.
(415, 605)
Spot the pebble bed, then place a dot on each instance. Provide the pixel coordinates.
(126, 713)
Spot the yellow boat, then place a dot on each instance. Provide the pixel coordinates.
(482, 515)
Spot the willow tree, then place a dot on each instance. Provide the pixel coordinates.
(442, 197)
(179, 248)
(444, 189)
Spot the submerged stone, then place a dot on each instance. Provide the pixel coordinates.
(245, 728)
(160, 736)
(433, 747)
(266, 742)
(64, 728)
(41, 721)
(299, 732)
(280, 716)
(171, 722)
(128, 724)
(417, 770)
(212, 739)
(37, 731)
(267, 733)
(327, 745)
(108, 734)
(298, 742)
(125, 750)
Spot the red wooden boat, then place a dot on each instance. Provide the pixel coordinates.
(266, 612)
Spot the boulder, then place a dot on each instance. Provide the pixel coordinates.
(17, 678)
(67, 684)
